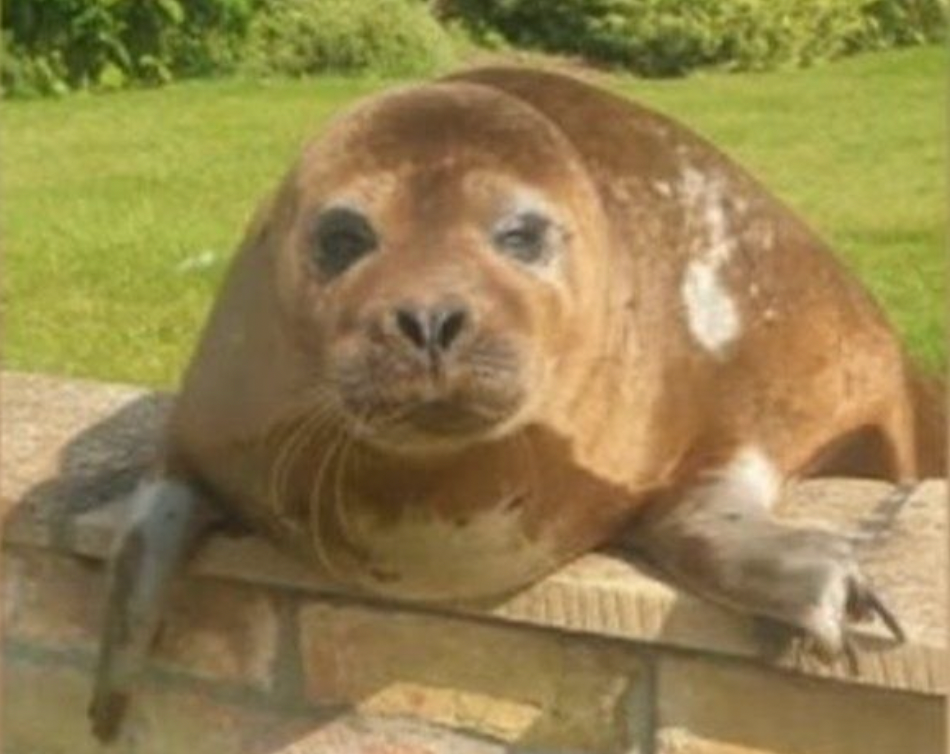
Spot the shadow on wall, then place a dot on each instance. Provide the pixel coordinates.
(102, 463)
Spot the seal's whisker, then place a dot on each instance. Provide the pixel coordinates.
(378, 421)
(309, 432)
(291, 438)
(339, 491)
(317, 500)
(285, 440)
(339, 487)
(315, 398)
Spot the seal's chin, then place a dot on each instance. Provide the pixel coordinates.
(443, 418)
(433, 424)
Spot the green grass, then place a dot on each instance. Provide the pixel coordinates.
(106, 198)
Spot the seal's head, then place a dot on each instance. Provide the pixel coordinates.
(431, 264)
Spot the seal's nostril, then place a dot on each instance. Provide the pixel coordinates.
(413, 327)
(446, 327)
(431, 330)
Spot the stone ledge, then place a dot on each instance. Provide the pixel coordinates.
(73, 449)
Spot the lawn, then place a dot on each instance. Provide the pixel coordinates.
(120, 211)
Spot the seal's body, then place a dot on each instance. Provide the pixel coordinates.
(490, 323)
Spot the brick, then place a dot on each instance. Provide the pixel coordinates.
(220, 631)
(707, 706)
(181, 723)
(679, 741)
(167, 721)
(211, 630)
(44, 711)
(516, 685)
(380, 736)
(51, 599)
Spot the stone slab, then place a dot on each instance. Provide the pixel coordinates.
(705, 706)
(529, 688)
(67, 475)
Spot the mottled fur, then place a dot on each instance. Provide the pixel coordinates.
(683, 345)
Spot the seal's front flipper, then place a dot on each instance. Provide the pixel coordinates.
(719, 539)
(166, 519)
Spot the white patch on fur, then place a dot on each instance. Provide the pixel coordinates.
(748, 482)
(720, 244)
(743, 490)
(693, 183)
(711, 312)
(526, 201)
(753, 477)
(707, 217)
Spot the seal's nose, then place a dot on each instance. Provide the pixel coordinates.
(432, 330)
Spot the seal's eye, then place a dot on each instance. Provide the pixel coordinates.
(343, 237)
(524, 237)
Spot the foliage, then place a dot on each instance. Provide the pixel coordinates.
(391, 37)
(54, 45)
(26, 75)
(667, 37)
(211, 39)
(904, 22)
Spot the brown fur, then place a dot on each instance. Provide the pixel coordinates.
(615, 403)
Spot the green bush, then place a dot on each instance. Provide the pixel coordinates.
(52, 45)
(213, 36)
(391, 37)
(31, 75)
(903, 22)
(86, 42)
(668, 37)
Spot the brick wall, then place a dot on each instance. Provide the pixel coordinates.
(259, 656)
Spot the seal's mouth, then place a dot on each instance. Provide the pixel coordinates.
(450, 418)
(405, 412)
(411, 423)
(403, 400)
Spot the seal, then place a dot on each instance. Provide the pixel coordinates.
(490, 323)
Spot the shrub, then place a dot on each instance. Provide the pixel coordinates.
(55, 44)
(51, 46)
(82, 41)
(213, 36)
(31, 75)
(389, 37)
(903, 22)
(666, 37)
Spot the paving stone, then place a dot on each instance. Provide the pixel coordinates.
(515, 685)
(711, 706)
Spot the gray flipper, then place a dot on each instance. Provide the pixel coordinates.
(166, 519)
(720, 539)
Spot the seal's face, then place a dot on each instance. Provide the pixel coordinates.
(446, 348)
(435, 329)
(437, 273)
